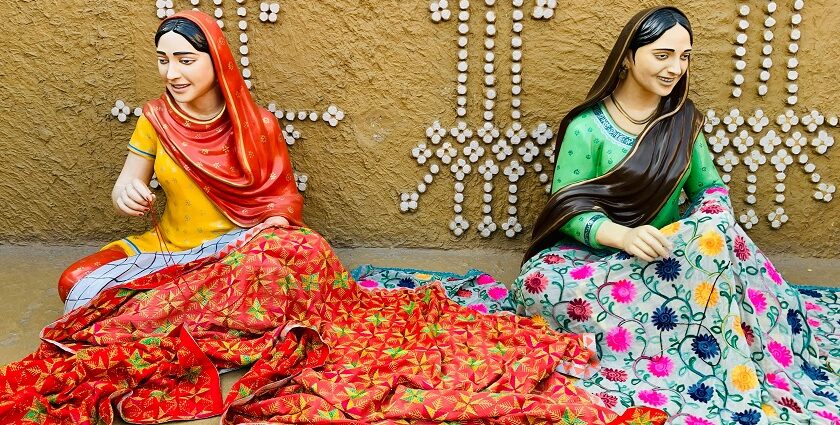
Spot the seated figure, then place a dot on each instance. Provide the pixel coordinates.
(689, 315)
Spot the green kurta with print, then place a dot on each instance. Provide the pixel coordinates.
(593, 145)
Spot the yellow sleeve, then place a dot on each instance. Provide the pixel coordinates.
(144, 141)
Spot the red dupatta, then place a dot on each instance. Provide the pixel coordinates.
(239, 158)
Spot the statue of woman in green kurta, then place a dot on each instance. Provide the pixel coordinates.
(688, 313)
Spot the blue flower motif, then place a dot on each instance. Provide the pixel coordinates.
(701, 392)
(705, 346)
(813, 372)
(668, 269)
(810, 293)
(826, 394)
(621, 255)
(664, 318)
(747, 417)
(406, 282)
(794, 321)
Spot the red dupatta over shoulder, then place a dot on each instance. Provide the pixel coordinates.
(239, 158)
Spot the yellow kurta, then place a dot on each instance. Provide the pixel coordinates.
(190, 217)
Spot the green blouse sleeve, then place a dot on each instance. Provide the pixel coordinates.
(577, 161)
(703, 173)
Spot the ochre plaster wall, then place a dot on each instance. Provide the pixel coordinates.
(392, 70)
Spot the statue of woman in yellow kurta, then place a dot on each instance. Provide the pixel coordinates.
(218, 156)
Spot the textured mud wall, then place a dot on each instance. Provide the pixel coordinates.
(392, 70)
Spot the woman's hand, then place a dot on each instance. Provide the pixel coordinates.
(277, 221)
(646, 242)
(133, 199)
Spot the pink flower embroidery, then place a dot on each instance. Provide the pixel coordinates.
(814, 322)
(694, 420)
(618, 339)
(781, 353)
(777, 381)
(481, 308)
(757, 299)
(497, 293)
(717, 189)
(652, 398)
(830, 416)
(623, 291)
(660, 366)
(582, 272)
(485, 279)
(367, 283)
(809, 306)
(771, 271)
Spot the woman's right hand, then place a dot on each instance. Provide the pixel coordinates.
(646, 242)
(134, 198)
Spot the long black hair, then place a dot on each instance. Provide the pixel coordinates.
(187, 29)
(657, 24)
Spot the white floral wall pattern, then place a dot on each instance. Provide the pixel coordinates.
(787, 136)
(266, 13)
(784, 137)
(500, 156)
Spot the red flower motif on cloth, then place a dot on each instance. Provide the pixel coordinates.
(608, 399)
(553, 259)
(749, 334)
(741, 249)
(712, 208)
(614, 375)
(579, 310)
(536, 283)
(790, 404)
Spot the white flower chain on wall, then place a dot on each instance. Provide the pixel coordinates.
(739, 139)
(494, 146)
(268, 13)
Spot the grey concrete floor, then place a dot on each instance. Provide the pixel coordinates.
(28, 275)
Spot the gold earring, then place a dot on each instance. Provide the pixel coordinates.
(623, 73)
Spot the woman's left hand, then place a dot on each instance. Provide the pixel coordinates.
(277, 221)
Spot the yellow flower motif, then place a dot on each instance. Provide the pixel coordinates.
(743, 377)
(422, 276)
(705, 295)
(539, 321)
(769, 410)
(736, 326)
(711, 243)
(670, 229)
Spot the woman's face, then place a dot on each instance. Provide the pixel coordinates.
(657, 67)
(187, 73)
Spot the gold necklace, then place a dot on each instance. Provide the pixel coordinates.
(629, 118)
